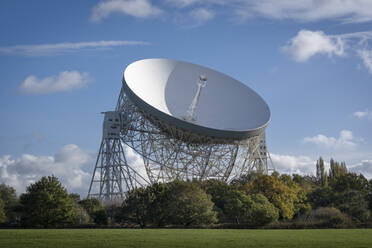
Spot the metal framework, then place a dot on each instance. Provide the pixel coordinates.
(168, 153)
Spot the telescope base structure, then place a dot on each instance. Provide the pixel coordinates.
(112, 175)
(169, 153)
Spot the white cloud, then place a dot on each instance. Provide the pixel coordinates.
(344, 141)
(67, 165)
(182, 3)
(342, 11)
(209, 3)
(65, 81)
(364, 167)
(135, 161)
(309, 43)
(59, 48)
(201, 15)
(135, 8)
(363, 114)
(72, 165)
(312, 10)
(366, 56)
(293, 164)
(305, 165)
(360, 114)
(300, 10)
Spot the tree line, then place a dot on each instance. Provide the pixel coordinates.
(334, 198)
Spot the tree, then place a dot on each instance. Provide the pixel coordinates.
(353, 203)
(136, 207)
(81, 215)
(218, 190)
(282, 192)
(350, 181)
(369, 195)
(46, 204)
(244, 179)
(8, 194)
(188, 205)
(11, 203)
(113, 211)
(100, 217)
(254, 210)
(176, 203)
(159, 201)
(2, 212)
(336, 169)
(321, 197)
(305, 182)
(74, 197)
(91, 205)
(262, 212)
(321, 174)
(95, 210)
(237, 206)
(346, 191)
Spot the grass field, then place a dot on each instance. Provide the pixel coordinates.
(71, 238)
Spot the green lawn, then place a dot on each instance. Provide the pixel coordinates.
(71, 238)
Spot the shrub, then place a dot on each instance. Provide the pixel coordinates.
(326, 217)
(325, 213)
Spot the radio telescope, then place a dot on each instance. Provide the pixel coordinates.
(186, 122)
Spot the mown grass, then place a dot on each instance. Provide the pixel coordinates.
(71, 238)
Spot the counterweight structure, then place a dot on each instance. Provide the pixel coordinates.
(168, 151)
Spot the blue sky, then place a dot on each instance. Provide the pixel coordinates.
(61, 64)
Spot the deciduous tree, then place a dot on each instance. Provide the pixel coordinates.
(11, 203)
(95, 210)
(188, 205)
(46, 204)
(2, 212)
(287, 197)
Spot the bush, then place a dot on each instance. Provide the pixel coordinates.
(334, 221)
(324, 213)
(326, 217)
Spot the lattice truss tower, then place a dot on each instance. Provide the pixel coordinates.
(168, 153)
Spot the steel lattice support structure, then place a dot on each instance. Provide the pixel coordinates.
(112, 175)
(168, 153)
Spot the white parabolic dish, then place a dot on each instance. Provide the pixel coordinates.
(226, 107)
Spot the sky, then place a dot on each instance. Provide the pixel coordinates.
(61, 64)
